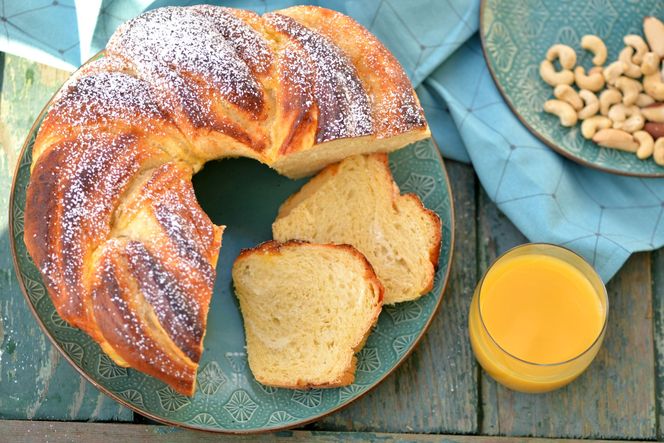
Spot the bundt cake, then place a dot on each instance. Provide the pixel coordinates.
(111, 218)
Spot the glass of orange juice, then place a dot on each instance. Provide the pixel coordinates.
(538, 317)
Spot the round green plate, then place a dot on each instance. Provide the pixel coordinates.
(245, 196)
(515, 37)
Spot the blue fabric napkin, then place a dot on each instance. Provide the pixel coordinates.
(603, 217)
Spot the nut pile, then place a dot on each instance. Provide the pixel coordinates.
(621, 105)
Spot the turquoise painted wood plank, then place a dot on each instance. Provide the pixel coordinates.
(615, 397)
(35, 382)
(435, 390)
(658, 318)
(57, 432)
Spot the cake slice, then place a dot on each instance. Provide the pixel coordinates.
(357, 202)
(307, 310)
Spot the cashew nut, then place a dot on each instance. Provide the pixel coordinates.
(617, 139)
(617, 115)
(634, 123)
(613, 71)
(563, 110)
(553, 77)
(608, 98)
(654, 86)
(658, 153)
(631, 70)
(650, 63)
(595, 69)
(592, 124)
(644, 100)
(654, 129)
(646, 144)
(594, 81)
(654, 112)
(591, 104)
(630, 89)
(640, 46)
(595, 45)
(653, 29)
(567, 94)
(565, 55)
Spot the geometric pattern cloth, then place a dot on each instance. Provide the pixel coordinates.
(603, 217)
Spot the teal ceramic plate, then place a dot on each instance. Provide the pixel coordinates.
(515, 37)
(245, 196)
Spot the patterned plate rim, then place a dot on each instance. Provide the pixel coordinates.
(556, 147)
(186, 425)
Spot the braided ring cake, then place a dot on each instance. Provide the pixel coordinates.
(111, 220)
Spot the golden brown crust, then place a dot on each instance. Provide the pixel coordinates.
(347, 378)
(68, 213)
(395, 107)
(178, 87)
(130, 329)
(434, 251)
(71, 217)
(201, 81)
(294, 103)
(343, 106)
(275, 247)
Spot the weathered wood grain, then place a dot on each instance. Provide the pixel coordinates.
(615, 397)
(57, 432)
(35, 382)
(658, 320)
(435, 390)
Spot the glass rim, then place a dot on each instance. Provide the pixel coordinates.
(603, 294)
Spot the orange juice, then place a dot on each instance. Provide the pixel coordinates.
(537, 318)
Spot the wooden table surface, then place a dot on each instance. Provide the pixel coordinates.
(439, 389)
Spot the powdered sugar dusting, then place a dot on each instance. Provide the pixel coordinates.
(186, 227)
(171, 267)
(91, 174)
(181, 232)
(104, 98)
(169, 195)
(176, 51)
(298, 77)
(395, 106)
(399, 112)
(170, 298)
(125, 327)
(250, 46)
(344, 107)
